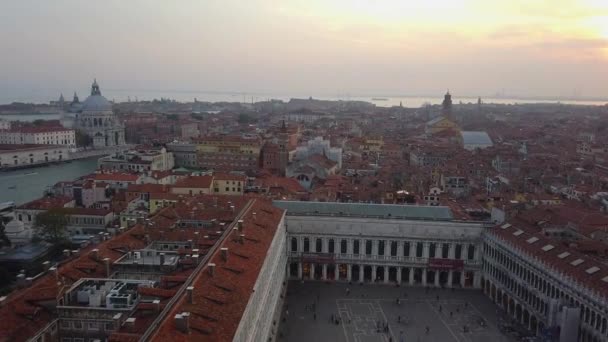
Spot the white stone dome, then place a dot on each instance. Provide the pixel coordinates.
(96, 102)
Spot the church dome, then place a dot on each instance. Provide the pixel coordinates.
(96, 102)
(14, 227)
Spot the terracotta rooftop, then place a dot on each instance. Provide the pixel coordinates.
(46, 203)
(219, 301)
(194, 182)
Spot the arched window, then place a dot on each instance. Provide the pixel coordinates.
(471, 252)
(368, 247)
(319, 245)
(393, 248)
(381, 247)
(356, 246)
(419, 250)
(294, 244)
(406, 248)
(306, 245)
(432, 250)
(330, 246)
(343, 246)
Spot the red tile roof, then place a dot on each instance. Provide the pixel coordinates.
(194, 182)
(220, 300)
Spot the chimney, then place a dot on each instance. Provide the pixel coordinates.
(190, 243)
(224, 251)
(66, 253)
(211, 269)
(2, 301)
(46, 265)
(181, 322)
(162, 258)
(94, 254)
(190, 290)
(106, 262)
(76, 252)
(240, 225)
(195, 258)
(156, 303)
(29, 281)
(242, 238)
(116, 320)
(130, 324)
(21, 280)
(254, 215)
(232, 208)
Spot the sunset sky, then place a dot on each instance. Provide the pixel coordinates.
(316, 47)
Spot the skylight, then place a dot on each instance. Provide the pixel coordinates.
(532, 240)
(505, 226)
(577, 262)
(547, 248)
(518, 232)
(563, 255)
(592, 270)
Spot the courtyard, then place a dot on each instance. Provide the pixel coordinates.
(318, 311)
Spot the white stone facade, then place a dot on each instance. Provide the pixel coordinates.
(42, 136)
(32, 155)
(383, 250)
(266, 299)
(99, 122)
(539, 297)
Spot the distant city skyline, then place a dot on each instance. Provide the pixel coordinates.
(526, 49)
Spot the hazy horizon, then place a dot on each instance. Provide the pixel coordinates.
(520, 48)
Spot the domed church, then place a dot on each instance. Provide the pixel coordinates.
(98, 121)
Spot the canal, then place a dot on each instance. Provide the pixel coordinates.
(21, 186)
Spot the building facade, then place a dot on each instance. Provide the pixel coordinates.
(39, 135)
(229, 153)
(98, 121)
(355, 242)
(23, 155)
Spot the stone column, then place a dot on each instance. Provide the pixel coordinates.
(450, 278)
(424, 276)
(373, 273)
(399, 275)
(425, 250)
(452, 251)
(462, 277)
(374, 248)
(299, 270)
(361, 273)
(412, 276)
(476, 280)
(312, 271)
(324, 275)
(349, 272)
(400, 249)
(385, 274)
(436, 278)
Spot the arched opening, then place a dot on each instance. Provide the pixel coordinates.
(318, 272)
(343, 272)
(367, 273)
(331, 246)
(430, 277)
(418, 276)
(443, 278)
(405, 274)
(331, 272)
(534, 325)
(318, 245)
(380, 273)
(306, 271)
(294, 244)
(392, 274)
(293, 270)
(306, 245)
(355, 272)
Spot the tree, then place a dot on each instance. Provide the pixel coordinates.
(83, 139)
(52, 225)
